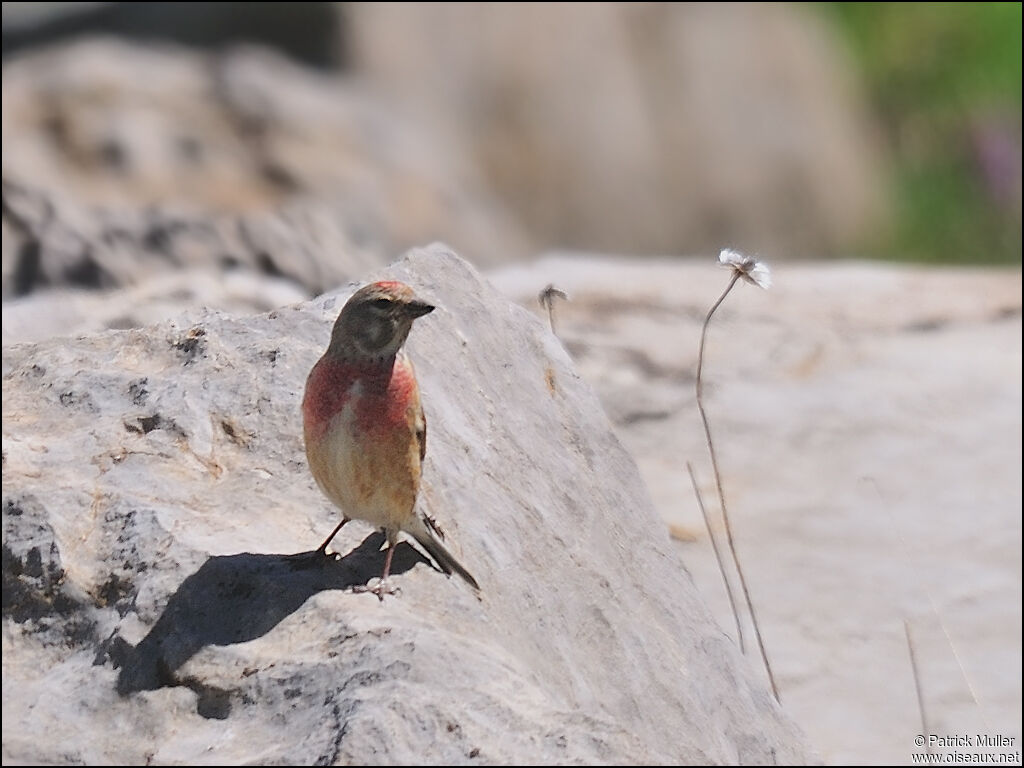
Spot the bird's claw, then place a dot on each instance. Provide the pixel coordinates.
(381, 588)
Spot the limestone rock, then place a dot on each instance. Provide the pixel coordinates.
(75, 312)
(160, 604)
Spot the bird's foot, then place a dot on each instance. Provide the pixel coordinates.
(381, 588)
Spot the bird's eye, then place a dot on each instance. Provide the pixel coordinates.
(381, 303)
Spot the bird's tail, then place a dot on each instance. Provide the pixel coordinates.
(444, 559)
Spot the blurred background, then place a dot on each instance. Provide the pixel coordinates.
(889, 131)
(159, 157)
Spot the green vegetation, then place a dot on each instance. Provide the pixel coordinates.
(945, 82)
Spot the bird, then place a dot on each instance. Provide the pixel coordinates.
(364, 427)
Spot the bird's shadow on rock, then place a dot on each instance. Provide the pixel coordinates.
(236, 598)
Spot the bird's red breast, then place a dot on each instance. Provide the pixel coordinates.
(363, 424)
(383, 393)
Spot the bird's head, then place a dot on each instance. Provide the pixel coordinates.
(375, 321)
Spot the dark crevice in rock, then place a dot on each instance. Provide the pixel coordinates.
(113, 154)
(279, 176)
(28, 272)
(87, 273)
(266, 264)
(191, 345)
(33, 592)
(158, 238)
(143, 425)
(118, 592)
(137, 391)
(238, 435)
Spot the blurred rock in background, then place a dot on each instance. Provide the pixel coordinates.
(642, 128)
(639, 129)
(884, 130)
(121, 127)
(304, 31)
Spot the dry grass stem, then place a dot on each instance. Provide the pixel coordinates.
(932, 605)
(917, 685)
(737, 273)
(718, 554)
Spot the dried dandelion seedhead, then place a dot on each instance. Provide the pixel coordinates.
(747, 267)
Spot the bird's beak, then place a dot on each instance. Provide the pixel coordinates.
(417, 308)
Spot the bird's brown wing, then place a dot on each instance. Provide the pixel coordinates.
(421, 438)
(416, 418)
(421, 435)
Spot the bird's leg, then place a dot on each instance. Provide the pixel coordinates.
(322, 550)
(382, 587)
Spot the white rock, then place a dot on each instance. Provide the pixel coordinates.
(155, 495)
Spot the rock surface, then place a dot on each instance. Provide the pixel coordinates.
(160, 604)
(867, 419)
(74, 312)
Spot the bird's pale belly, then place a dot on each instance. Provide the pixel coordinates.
(372, 475)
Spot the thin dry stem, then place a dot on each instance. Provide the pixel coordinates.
(917, 685)
(721, 493)
(718, 552)
(922, 586)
